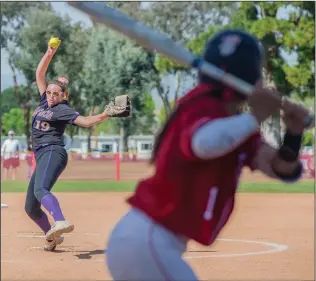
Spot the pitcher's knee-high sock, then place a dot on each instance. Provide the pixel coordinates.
(50, 203)
(43, 222)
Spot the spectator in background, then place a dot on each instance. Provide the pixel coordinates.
(10, 155)
(29, 161)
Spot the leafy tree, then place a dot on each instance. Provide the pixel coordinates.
(294, 35)
(13, 15)
(309, 139)
(162, 114)
(8, 100)
(109, 127)
(32, 41)
(13, 120)
(133, 74)
(116, 66)
(148, 115)
(182, 22)
(95, 79)
(301, 40)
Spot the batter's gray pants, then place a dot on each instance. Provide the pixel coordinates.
(140, 249)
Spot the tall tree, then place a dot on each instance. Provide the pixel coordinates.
(95, 81)
(162, 114)
(116, 66)
(13, 15)
(133, 76)
(149, 122)
(13, 120)
(8, 100)
(182, 21)
(293, 35)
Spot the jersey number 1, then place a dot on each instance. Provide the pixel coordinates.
(42, 125)
(208, 214)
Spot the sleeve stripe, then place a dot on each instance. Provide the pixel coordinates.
(74, 117)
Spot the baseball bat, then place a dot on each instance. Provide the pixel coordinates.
(155, 41)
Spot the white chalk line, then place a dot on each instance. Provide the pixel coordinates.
(15, 261)
(35, 236)
(31, 235)
(275, 248)
(59, 248)
(37, 247)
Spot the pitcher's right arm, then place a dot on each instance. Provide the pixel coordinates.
(42, 69)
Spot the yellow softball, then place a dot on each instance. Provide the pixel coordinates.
(54, 42)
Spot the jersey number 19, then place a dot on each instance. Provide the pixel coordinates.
(41, 125)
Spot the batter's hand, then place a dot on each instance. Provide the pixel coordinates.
(294, 116)
(120, 107)
(264, 102)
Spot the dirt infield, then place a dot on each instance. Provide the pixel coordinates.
(269, 237)
(105, 170)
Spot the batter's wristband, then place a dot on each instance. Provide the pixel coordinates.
(290, 149)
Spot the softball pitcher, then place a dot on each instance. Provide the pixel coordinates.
(48, 125)
(198, 157)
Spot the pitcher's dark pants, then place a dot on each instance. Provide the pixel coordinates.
(50, 163)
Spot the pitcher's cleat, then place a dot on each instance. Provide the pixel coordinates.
(58, 228)
(50, 245)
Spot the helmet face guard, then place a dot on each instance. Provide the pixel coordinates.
(237, 53)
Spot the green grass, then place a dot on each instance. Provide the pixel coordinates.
(74, 186)
(127, 186)
(276, 187)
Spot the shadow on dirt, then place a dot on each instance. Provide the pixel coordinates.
(82, 255)
(87, 255)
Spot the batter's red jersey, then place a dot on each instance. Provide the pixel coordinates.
(190, 196)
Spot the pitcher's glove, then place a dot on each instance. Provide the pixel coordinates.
(120, 107)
